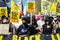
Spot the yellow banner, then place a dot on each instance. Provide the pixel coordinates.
(49, 6)
(58, 0)
(31, 37)
(58, 8)
(3, 11)
(45, 6)
(52, 37)
(58, 36)
(31, 7)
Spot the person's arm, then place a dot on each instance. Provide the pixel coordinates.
(19, 29)
(53, 29)
(37, 25)
(42, 30)
(59, 24)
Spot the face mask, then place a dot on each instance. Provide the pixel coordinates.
(4, 20)
(28, 15)
(24, 23)
(55, 18)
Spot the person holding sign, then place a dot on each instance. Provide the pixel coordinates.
(4, 19)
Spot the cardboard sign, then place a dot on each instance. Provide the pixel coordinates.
(4, 28)
(31, 7)
(3, 11)
(14, 16)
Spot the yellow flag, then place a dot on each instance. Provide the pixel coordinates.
(14, 5)
(53, 7)
(15, 13)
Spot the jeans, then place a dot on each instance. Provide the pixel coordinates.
(46, 37)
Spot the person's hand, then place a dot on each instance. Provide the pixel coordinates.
(54, 31)
(31, 24)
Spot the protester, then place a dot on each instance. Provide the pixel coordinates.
(47, 30)
(55, 23)
(4, 19)
(23, 28)
(58, 18)
(12, 28)
(47, 27)
(40, 22)
(33, 30)
(51, 19)
(34, 21)
(33, 26)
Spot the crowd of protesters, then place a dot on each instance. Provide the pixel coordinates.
(42, 24)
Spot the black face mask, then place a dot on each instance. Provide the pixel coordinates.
(48, 23)
(55, 20)
(24, 23)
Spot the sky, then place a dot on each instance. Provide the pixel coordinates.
(23, 1)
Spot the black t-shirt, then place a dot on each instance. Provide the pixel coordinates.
(23, 29)
(47, 30)
(58, 30)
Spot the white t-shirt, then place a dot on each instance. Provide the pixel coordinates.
(17, 24)
(40, 23)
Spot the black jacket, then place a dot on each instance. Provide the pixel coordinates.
(23, 29)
